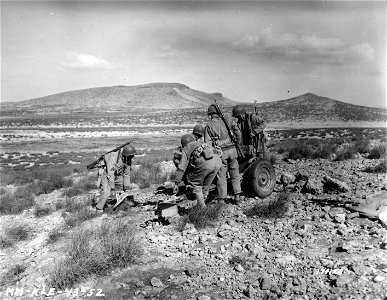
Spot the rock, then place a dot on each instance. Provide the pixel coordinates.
(344, 279)
(353, 215)
(265, 283)
(287, 179)
(340, 218)
(313, 186)
(239, 268)
(379, 278)
(156, 282)
(333, 184)
(204, 297)
(301, 176)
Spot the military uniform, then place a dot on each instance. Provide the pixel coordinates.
(114, 175)
(217, 135)
(199, 165)
(251, 127)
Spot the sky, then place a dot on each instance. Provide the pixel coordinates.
(255, 50)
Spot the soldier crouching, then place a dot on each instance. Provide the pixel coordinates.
(198, 165)
(114, 174)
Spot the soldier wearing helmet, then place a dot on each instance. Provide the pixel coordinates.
(197, 166)
(198, 132)
(216, 134)
(251, 127)
(114, 174)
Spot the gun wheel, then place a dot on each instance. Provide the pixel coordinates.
(262, 178)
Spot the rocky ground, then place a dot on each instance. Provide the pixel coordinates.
(319, 250)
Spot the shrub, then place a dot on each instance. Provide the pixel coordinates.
(271, 210)
(16, 202)
(17, 232)
(79, 216)
(203, 217)
(5, 241)
(96, 250)
(41, 210)
(85, 184)
(12, 275)
(380, 168)
(378, 151)
(347, 153)
(54, 235)
(362, 144)
(147, 174)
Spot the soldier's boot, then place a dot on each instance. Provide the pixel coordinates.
(237, 199)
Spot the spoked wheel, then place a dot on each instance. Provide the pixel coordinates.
(262, 178)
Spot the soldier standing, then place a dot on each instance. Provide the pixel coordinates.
(216, 134)
(198, 165)
(114, 174)
(251, 127)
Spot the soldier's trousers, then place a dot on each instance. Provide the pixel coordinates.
(230, 163)
(202, 176)
(106, 188)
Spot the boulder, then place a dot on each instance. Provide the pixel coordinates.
(333, 184)
(313, 186)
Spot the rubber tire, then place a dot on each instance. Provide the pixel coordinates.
(262, 178)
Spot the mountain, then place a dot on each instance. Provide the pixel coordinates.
(313, 108)
(153, 96)
(175, 103)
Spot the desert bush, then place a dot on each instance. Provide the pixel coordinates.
(17, 232)
(85, 184)
(380, 168)
(273, 209)
(12, 275)
(54, 235)
(362, 144)
(17, 201)
(378, 151)
(346, 153)
(147, 174)
(202, 217)
(41, 210)
(5, 241)
(96, 250)
(79, 216)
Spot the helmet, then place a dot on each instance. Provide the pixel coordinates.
(128, 150)
(186, 139)
(238, 110)
(212, 110)
(198, 129)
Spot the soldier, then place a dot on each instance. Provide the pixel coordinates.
(251, 127)
(198, 133)
(198, 165)
(114, 175)
(216, 134)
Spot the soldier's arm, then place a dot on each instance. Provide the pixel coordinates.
(258, 124)
(207, 135)
(182, 166)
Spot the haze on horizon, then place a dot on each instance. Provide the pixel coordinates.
(267, 51)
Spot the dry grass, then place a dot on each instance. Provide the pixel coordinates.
(84, 185)
(41, 210)
(15, 232)
(54, 235)
(271, 210)
(203, 217)
(378, 151)
(96, 250)
(12, 275)
(147, 174)
(347, 152)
